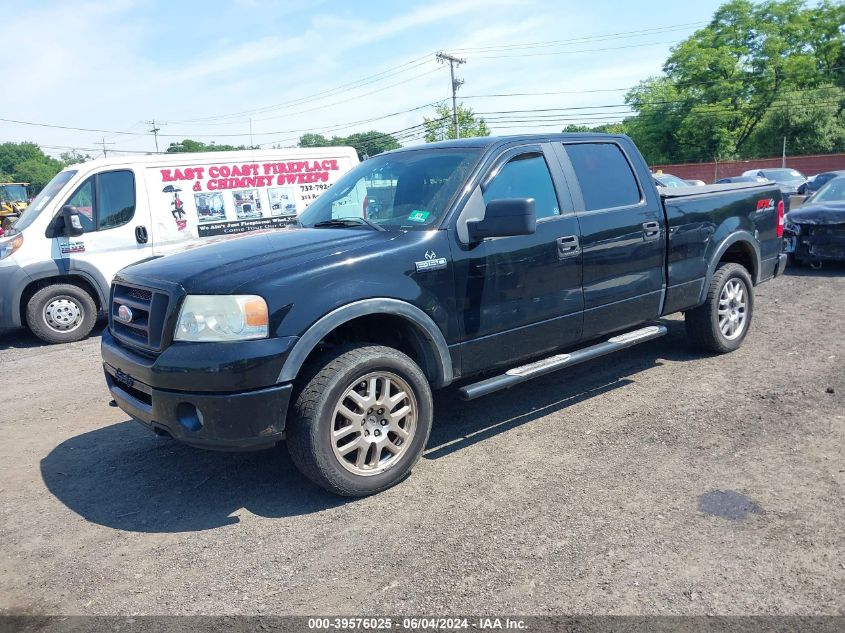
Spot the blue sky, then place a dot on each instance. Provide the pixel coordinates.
(203, 70)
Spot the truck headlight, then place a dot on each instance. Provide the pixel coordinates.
(222, 318)
(9, 246)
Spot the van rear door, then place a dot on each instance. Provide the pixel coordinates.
(116, 227)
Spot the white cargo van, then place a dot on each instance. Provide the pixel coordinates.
(92, 219)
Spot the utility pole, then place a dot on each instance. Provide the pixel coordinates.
(456, 83)
(154, 131)
(783, 156)
(103, 143)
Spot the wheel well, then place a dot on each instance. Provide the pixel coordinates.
(740, 253)
(74, 280)
(388, 330)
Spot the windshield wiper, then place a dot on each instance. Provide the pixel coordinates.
(345, 222)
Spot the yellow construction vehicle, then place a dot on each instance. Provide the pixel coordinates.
(13, 198)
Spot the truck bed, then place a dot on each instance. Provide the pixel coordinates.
(701, 190)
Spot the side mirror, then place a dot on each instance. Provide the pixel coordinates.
(503, 218)
(72, 227)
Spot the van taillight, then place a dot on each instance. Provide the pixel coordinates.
(366, 204)
(781, 220)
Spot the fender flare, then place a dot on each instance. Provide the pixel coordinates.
(55, 270)
(424, 324)
(738, 236)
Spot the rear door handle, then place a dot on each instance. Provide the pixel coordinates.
(568, 246)
(141, 235)
(651, 230)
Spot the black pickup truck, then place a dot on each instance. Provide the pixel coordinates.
(486, 261)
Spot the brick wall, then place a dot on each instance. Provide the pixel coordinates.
(709, 172)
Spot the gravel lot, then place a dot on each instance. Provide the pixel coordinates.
(654, 481)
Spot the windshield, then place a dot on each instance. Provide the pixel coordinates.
(13, 193)
(783, 175)
(833, 191)
(406, 190)
(47, 193)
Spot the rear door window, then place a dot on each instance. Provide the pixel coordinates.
(604, 174)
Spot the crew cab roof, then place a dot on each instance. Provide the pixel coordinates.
(486, 142)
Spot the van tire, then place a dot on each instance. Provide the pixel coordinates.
(703, 323)
(61, 313)
(324, 385)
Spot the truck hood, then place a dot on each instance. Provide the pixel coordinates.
(819, 213)
(223, 267)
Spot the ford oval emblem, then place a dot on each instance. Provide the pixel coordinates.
(124, 314)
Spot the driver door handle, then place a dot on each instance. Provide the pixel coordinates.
(141, 235)
(568, 246)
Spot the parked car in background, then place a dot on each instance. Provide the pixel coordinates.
(694, 182)
(668, 181)
(788, 179)
(815, 232)
(818, 181)
(731, 179)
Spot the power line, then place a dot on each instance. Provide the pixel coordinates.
(582, 50)
(569, 41)
(358, 83)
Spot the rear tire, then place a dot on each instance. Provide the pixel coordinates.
(360, 419)
(61, 313)
(721, 323)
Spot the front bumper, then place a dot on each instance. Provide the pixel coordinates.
(12, 282)
(213, 402)
(817, 242)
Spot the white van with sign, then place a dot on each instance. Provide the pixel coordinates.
(94, 218)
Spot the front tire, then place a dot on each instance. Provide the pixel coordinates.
(61, 313)
(721, 323)
(360, 419)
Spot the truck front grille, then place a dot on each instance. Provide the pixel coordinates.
(137, 316)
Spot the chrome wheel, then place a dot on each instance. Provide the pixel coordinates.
(63, 314)
(733, 309)
(374, 423)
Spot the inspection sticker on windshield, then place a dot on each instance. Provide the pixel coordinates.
(418, 216)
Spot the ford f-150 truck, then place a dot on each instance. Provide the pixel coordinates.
(486, 261)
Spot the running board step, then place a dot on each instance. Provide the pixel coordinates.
(520, 374)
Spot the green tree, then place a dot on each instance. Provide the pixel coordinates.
(314, 140)
(604, 128)
(365, 143)
(37, 172)
(188, 146)
(25, 162)
(440, 127)
(752, 62)
(73, 157)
